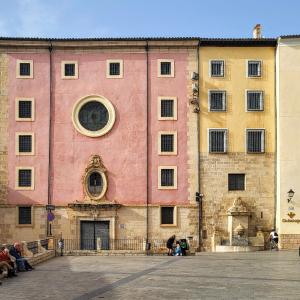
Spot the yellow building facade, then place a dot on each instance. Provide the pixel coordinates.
(237, 139)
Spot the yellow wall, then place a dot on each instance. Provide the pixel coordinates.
(235, 82)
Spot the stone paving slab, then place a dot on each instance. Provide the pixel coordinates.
(258, 275)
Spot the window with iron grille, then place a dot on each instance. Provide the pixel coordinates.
(217, 140)
(167, 108)
(167, 177)
(114, 68)
(25, 215)
(165, 68)
(255, 140)
(25, 143)
(167, 143)
(25, 109)
(167, 215)
(255, 101)
(254, 68)
(217, 100)
(217, 68)
(70, 69)
(236, 182)
(25, 178)
(24, 69)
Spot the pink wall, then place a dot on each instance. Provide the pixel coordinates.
(123, 149)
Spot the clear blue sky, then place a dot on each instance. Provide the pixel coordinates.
(137, 18)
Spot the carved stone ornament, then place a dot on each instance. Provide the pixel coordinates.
(239, 230)
(94, 179)
(238, 208)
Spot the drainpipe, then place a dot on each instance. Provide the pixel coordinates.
(49, 229)
(147, 141)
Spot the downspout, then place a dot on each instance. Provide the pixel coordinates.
(49, 231)
(147, 146)
(198, 144)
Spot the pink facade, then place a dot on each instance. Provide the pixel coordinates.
(123, 149)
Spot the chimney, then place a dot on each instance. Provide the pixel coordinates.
(257, 31)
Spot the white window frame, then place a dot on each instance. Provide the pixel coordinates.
(261, 68)
(160, 99)
(174, 187)
(22, 188)
(18, 63)
(261, 100)
(174, 216)
(65, 62)
(32, 143)
(263, 130)
(225, 130)
(108, 62)
(223, 100)
(18, 99)
(159, 61)
(210, 68)
(174, 133)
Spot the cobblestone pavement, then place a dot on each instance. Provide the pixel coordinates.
(260, 275)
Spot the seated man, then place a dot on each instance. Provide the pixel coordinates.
(5, 269)
(5, 258)
(22, 263)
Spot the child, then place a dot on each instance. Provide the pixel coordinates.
(178, 251)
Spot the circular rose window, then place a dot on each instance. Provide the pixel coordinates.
(93, 116)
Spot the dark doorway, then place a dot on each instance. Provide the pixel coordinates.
(90, 231)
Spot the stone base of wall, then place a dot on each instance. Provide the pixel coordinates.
(41, 257)
(289, 241)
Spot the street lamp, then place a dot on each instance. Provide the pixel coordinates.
(199, 197)
(290, 195)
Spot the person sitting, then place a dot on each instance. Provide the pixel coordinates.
(178, 251)
(184, 246)
(5, 269)
(170, 243)
(22, 263)
(4, 257)
(274, 239)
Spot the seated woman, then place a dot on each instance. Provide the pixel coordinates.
(8, 263)
(22, 263)
(178, 251)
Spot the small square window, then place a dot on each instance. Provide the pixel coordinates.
(25, 215)
(236, 182)
(217, 140)
(166, 68)
(167, 143)
(167, 108)
(114, 68)
(255, 101)
(24, 178)
(255, 140)
(254, 68)
(167, 215)
(24, 69)
(217, 68)
(25, 143)
(69, 70)
(167, 177)
(217, 101)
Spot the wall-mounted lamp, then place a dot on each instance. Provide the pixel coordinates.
(199, 197)
(290, 195)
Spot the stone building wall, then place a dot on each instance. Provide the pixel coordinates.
(258, 195)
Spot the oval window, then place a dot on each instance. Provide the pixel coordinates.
(93, 116)
(95, 184)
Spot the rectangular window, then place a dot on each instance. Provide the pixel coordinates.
(25, 215)
(24, 69)
(167, 215)
(217, 100)
(167, 143)
(25, 143)
(69, 70)
(25, 178)
(217, 140)
(24, 109)
(217, 68)
(114, 68)
(165, 67)
(236, 182)
(167, 177)
(255, 140)
(254, 68)
(167, 108)
(255, 101)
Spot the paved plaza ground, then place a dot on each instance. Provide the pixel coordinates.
(260, 275)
